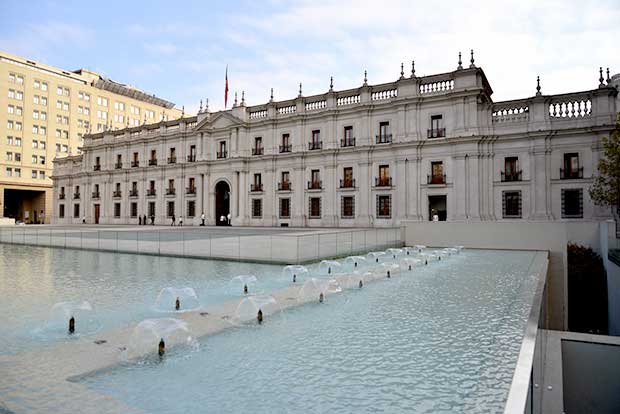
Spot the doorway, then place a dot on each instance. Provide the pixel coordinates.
(97, 213)
(437, 205)
(222, 203)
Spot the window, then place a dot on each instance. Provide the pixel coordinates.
(151, 209)
(42, 160)
(285, 183)
(9, 156)
(43, 101)
(133, 209)
(134, 110)
(286, 143)
(19, 95)
(35, 99)
(347, 207)
(76, 211)
(12, 77)
(9, 140)
(41, 175)
(17, 172)
(102, 101)
(258, 146)
(257, 208)
(42, 130)
(314, 207)
(437, 175)
(11, 93)
(61, 211)
(35, 159)
(170, 210)
(9, 124)
(18, 156)
(44, 86)
(347, 181)
(315, 179)
(58, 90)
(511, 169)
(42, 144)
(173, 156)
(222, 150)
(285, 208)
(18, 142)
(571, 169)
(384, 179)
(384, 136)
(384, 206)
(315, 143)
(191, 208)
(119, 106)
(37, 84)
(35, 129)
(9, 171)
(35, 143)
(348, 140)
(117, 210)
(511, 204)
(436, 130)
(572, 203)
(11, 109)
(65, 106)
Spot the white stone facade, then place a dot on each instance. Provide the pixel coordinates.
(399, 130)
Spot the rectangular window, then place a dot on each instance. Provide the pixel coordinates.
(437, 175)
(316, 140)
(348, 140)
(257, 208)
(436, 130)
(571, 170)
(572, 203)
(151, 209)
(9, 172)
(18, 172)
(286, 143)
(76, 211)
(384, 206)
(117, 210)
(285, 208)
(61, 211)
(347, 207)
(384, 136)
(511, 204)
(314, 208)
(384, 176)
(133, 209)
(170, 210)
(191, 208)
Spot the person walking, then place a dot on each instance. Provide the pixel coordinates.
(181, 221)
(202, 217)
(152, 220)
(174, 219)
(139, 220)
(144, 220)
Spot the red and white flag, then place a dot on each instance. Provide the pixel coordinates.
(226, 89)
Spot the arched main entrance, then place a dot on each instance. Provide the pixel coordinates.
(222, 203)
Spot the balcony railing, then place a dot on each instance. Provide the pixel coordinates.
(97, 167)
(151, 192)
(436, 133)
(347, 183)
(571, 174)
(511, 176)
(153, 161)
(383, 138)
(256, 187)
(286, 148)
(347, 142)
(257, 151)
(190, 190)
(95, 194)
(315, 185)
(118, 165)
(436, 179)
(284, 186)
(61, 196)
(383, 181)
(315, 145)
(76, 196)
(172, 160)
(220, 155)
(133, 193)
(171, 191)
(116, 194)
(135, 163)
(191, 158)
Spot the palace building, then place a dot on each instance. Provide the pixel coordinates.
(44, 114)
(418, 148)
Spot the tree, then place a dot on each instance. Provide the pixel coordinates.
(606, 188)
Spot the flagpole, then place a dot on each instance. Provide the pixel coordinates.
(226, 90)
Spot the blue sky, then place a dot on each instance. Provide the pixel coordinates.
(179, 50)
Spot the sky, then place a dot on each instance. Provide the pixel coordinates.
(179, 50)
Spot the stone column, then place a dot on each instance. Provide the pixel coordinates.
(459, 179)
(539, 178)
(365, 193)
(298, 204)
(474, 173)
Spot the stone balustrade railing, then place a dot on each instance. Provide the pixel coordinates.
(288, 109)
(511, 111)
(348, 100)
(570, 106)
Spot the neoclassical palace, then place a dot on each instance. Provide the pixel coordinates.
(419, 148)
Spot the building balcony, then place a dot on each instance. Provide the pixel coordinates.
(97, 167)
(347, 183)
(436, 133)
(285, 148)
(133, 193)
(172, 160)
(383, 181)
(347, 142)
(257, 187)
(284, 186)
(191, 158)
(220, 155)
(315, 185)
(190, 191)
(436, 179)
(511, 176)
(151, 192)
(566, 174)
(117, 194)
(153, 161)
(76, 196)
(135, 164)
(383, 138)
(257, 151)
(118, 165)
(61, 196)
(171, 191)
(95, 194)
(315, 145)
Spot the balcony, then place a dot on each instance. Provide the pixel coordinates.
(133, 193)
(190, 191)
(97, 167)
(383, 138)
(436, 133)
(95, 194)
(511, 176)
(347, 142)
(135, 164)
(315, 185)
(383, 181)
(76, 196)
(317, 145)
(170, 191)
(436, 179)
(172, 160)
(191, 158)
(284, 186)
(61, 196)
(566, 174)
(153, 161)
(118, 165)
(117, 194)
(257, 151)
(220, 155)
(347, 183)
(256, 187)
(285, 148)
(151, 192)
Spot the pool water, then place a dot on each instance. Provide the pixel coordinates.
(442, 338)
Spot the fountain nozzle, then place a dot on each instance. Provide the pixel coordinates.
(259, 316)
(71, 325)
(245, 289)
(177, 304)
(321, 297)
(161, 349)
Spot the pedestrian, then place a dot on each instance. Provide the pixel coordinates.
(144, 220)
(174, 219)
(83, 219)
(152, 219)
(181, 221)
(139, 220)
(202, 217)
